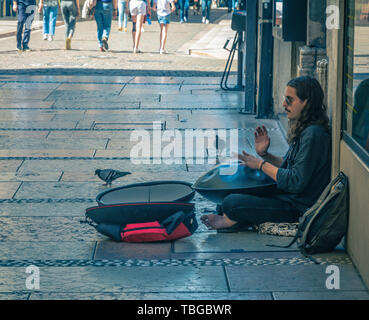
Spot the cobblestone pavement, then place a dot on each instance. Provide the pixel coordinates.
(57, 125)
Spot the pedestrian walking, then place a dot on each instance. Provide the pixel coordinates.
(163, 9)
(138, 10)
(105, 10)
(184, 5)
(49, 9)
(206, 6)
(122, 15)
(70, 11)
(26, 13)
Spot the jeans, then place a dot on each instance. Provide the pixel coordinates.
(103, 17)
(9, 8)
(50, 14)
(25, 18)
(206, 5)
(122, 4)
(183, 9)
(69, 12)
(253, 210)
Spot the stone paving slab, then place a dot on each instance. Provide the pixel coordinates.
(112, 88)
(38, 124)
(8, 189)
(46, 153)
(91, 165)
(113, 279)
(14, 296)
(85, 105)
(35, 228)
(35, 209)
(46, 250)
(9, 165)
(31, 85)
(17, 103)
(111, 250)
(231, 242)
(31, 94)
(11, 145)
(289, 278)
(151, 296)
(43, 176)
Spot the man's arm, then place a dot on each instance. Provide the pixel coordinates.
(274, 160)
(15, 5)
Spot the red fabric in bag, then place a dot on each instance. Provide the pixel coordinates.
(151, 232)
(144, 232)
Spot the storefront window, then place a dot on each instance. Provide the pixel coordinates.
(356, 75)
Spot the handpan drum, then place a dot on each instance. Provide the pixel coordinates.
(226, 179)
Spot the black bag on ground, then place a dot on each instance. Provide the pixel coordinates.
(323, 225)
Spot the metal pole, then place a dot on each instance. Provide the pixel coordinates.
(265, 65)
(250, 56)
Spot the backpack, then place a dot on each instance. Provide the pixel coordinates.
(324, 224)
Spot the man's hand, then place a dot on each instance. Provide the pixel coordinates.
(262, 141)
(249, 160)
(115, 13)
(40, 6)
(15, 7)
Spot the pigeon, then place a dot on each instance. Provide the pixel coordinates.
(109, 175)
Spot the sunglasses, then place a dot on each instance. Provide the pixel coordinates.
(288, 100)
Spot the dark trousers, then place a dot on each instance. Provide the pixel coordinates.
(252, 210)
(25, 19)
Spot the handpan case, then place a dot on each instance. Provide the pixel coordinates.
(226, 179)
(145, 212)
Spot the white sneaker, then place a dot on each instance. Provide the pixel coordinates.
(207, 21)
(45, 36)
(203, 19)
(185, 19)
(50, 38)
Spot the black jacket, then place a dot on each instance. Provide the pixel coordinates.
(306, 169)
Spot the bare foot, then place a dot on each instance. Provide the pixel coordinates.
(214, 221)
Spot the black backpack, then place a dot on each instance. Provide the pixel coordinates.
(323, 225)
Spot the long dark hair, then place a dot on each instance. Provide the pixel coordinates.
(314, 112)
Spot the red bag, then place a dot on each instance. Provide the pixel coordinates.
(176, 226)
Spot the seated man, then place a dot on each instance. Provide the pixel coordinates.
(301, 175)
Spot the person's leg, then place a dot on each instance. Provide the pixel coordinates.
(254, 210)
(187, 6)
(208, 9)
(1, 8)
(53, 16)
(65, 14)
(30, 14)
(46, 21)
(203, 8)
(134, 23)
(72, 19)
(181, 9)
(107, 18)
(125, 17)
(161, 36)
(121, 7)
(164, 36)
(139, 24)
(99, 25)
(20, 25)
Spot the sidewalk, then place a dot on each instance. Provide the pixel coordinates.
(56, 129)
